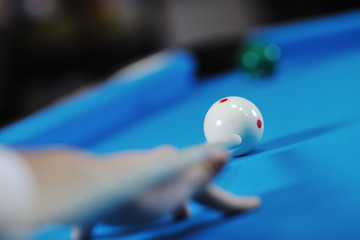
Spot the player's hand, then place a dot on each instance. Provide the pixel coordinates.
(171, 196)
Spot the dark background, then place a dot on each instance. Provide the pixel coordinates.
(51, 48)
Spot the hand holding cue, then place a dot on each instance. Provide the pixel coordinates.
(76, 186)
(121, 176)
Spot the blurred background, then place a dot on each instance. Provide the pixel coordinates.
(52, 48)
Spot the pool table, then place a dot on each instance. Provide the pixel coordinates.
(306, 168)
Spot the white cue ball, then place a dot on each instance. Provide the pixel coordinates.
(234, 115)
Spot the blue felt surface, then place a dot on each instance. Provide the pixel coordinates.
(307, 167)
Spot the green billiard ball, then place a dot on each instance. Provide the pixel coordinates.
(258, 58)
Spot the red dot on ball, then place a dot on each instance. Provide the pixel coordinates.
(223, 100)
(259, 123)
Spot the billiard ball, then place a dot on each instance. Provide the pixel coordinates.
(234, 115)
(258, 58)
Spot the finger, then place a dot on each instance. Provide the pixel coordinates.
(81, 231)
(209, 168)
(217, 198)
(168, 196)
(182, 212)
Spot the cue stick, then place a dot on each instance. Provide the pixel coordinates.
(183, 159)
